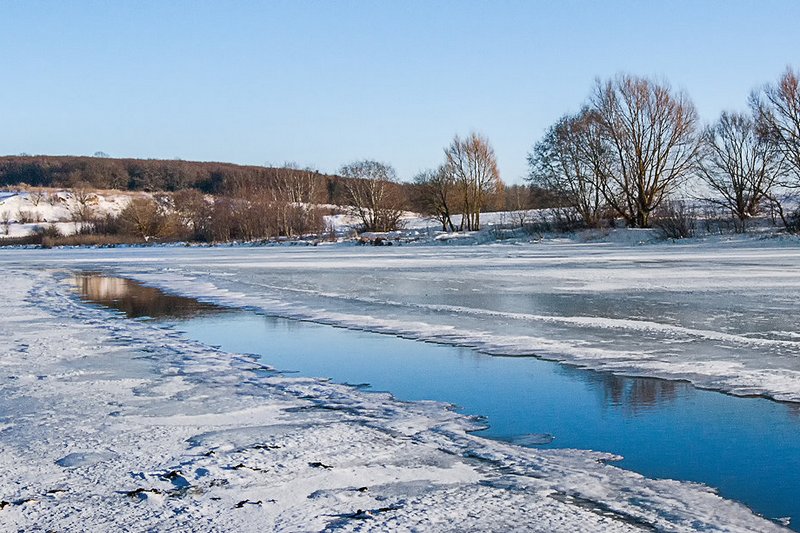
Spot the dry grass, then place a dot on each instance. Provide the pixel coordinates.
(21, 241)
(89, 240)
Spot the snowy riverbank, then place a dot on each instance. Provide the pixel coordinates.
(109, 422)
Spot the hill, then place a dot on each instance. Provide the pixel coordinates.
(153, 175)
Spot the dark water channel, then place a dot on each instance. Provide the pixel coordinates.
(747, 448)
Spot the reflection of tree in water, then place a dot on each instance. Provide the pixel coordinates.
(635, 394)
(794, 408)
(136, 300)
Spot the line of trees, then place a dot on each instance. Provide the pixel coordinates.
(466, 184)
(287, 201)
(634, 147)
(156, 175)
(193, 216)
(636, 143)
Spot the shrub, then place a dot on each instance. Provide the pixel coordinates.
(49, 231)
(26, 217)
(675, 220)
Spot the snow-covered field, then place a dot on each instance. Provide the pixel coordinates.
(21, 213)
(108, 422)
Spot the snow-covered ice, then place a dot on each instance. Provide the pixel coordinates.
(108, 421)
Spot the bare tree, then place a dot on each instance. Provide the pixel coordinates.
(222, 222)
(435, 195)
(738, 166)
(36, 196)
(296, 185)
(650, 143)
(777, 111)
(5, 221)
(374, 195)
(567, 162)
(144, 218)
(294, 193)
(193, 210)
(472, 166)
(52, 198)
(82, 206)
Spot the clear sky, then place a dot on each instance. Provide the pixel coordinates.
(324, 83)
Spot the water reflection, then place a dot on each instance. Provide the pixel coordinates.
(637, 394)
(136, 300)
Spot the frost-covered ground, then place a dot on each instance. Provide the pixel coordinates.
(107, 422)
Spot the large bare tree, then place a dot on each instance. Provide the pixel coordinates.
(435, 195)
(374, 194)
(472, 165)
(777, 108)
(566, 161)
(738, 166)
(649, 133)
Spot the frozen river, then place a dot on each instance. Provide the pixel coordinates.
(717, 315)
(748, 448)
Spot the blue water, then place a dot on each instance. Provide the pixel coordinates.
(748, 448)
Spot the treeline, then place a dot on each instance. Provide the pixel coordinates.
(186, 215)
(214, 202)
(189, 215)
(221, 201)
(156, 175)
(636, 151)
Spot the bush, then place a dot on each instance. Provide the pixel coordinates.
(26, 217)
(675, 220)
(793, 221)
(718, 220)
(49, 231)
(146, 219)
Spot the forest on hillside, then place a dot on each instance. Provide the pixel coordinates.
(217, 202)
(150, 175)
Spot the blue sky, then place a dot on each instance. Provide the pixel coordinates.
(324, 83)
